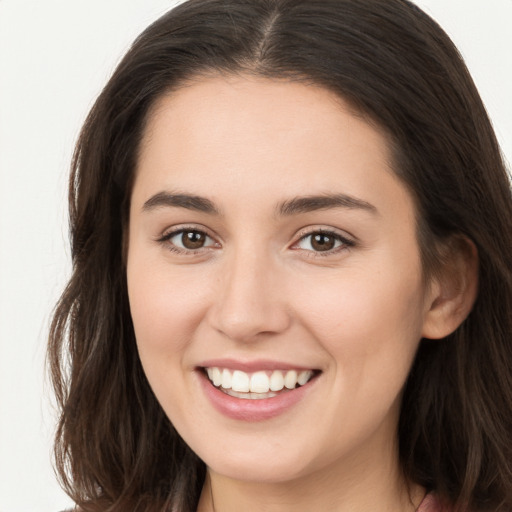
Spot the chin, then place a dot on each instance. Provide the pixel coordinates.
(270, 465)
(265, 472)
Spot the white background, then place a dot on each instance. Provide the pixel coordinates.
(54, 58)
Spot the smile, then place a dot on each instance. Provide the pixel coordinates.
(257, 390)
(257, 385)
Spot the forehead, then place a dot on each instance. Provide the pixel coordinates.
(252, 102)
(243, 136)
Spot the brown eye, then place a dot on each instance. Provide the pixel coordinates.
(193, 239)
(184, 240)
(322, 242)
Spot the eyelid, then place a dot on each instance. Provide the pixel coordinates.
(347, 240)
(173, 231)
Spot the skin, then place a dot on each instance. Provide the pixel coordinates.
(259, 290)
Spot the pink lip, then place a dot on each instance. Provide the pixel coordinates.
(251, 366)
(252, 410)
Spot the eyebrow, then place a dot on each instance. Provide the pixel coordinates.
(324, 202)
(292, 206)
(188, 201)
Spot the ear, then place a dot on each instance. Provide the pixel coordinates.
(453, 288)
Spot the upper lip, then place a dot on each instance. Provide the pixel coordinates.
(252, 366)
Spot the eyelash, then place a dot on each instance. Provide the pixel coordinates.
(345, 243)
(166, 237)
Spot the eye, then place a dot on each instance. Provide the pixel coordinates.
(184, 240)
(323, 242)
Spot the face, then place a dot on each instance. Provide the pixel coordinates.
(274, 278)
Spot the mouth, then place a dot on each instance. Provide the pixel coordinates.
(260, 384)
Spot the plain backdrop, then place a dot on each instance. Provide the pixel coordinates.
(55, 56)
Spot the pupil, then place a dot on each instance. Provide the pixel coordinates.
(192, 239)
(322, 242)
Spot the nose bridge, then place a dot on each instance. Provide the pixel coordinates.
(250, 300)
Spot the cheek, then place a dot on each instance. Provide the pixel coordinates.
(366, 319)
(369, 323)
(165, 303)
(166, 307)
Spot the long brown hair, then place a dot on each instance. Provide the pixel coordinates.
(115, 448)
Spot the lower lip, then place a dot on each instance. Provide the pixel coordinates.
(253, 409)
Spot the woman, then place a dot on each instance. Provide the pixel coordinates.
(291, 229)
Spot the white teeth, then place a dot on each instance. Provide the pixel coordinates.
(226, 379)
(217, 377)
(276, 381)
(290, 381)
(261, 384)
(250, 396)
(304, 377)
(240, 381)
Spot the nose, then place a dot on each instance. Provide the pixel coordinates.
(250, 299)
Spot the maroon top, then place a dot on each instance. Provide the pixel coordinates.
(430, 503)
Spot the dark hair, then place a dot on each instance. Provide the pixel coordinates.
(115, 448)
